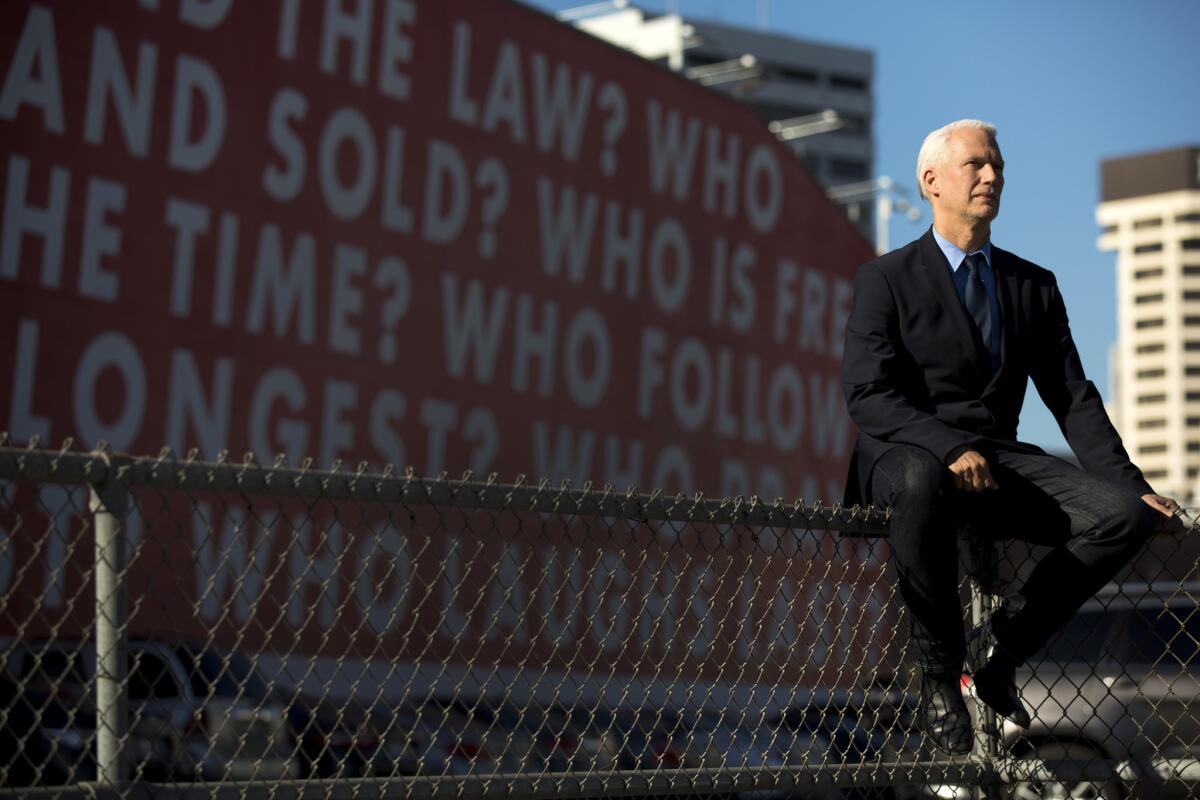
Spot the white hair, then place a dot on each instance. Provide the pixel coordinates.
(933, 150)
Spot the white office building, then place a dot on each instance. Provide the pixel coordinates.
(823, 90)
(1150, 215)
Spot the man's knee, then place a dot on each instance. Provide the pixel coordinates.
(1143, 519)
(909, 475)
(1129, 519)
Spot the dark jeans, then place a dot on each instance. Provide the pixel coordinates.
(1095, 528)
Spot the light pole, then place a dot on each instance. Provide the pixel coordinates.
(889, 199)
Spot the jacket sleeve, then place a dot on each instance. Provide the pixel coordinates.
(1057, 373)
(874, 367)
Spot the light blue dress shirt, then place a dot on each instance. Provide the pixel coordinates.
(959, 272)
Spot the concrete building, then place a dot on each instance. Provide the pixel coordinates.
(781, 78)
(1150, 215)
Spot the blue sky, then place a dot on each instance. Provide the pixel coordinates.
(1067, 82)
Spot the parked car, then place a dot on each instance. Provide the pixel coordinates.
(853, 728)
(650, 738)
(346, 739)
(196, 711)
(455, 737)
(385, 742)
(571, 739)
(42, 740)
(1120, 683)
(729, 739)
(54, 701)
(555, 738)
(323, 737)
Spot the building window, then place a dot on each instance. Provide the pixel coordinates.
(1153, 247)
(1193, 216)
(1193, 422)
(1142, 299)
(770, 112)
(1191, 346)
(1190, 244)
(1151, 449)
(848, 169)
(1142, 224)
(1194, 447)
(798, 74)
(851, 82)
(1193, 471)
(1109, 229)
(699, 59)
(1143, 324)
(1155, 474)
(855, 123)
(1157, 347)
(1191, 371)
(1149, 272)
(1191, 295)
(1191, 269)
(1151, 398)
(1151, 373)
(1147, 424)
(1191, 397)
(1191, 320)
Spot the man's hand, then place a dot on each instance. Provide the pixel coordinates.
(1163, 505)
(972, 474)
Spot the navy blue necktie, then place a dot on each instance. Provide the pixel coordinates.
(976, 298)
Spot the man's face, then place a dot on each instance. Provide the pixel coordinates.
(967, 184)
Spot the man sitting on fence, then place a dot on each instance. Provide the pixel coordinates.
(944, 334)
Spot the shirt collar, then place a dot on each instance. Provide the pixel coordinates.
(955, 255)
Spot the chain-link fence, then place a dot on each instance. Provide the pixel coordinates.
(174, 626)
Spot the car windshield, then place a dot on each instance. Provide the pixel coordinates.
(209, 673)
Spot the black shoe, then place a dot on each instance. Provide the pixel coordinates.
(993, 671)
(943, 713)
(996, 686)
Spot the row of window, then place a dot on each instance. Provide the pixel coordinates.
(1156, 222)
(1150, 424)
(1161, 447)
(1159, 372)
(1189, 295)
(1158, 347)
(1158, 322)
(1159, 474)
(1156, 272)
(1161, 397)
(1156, 247)
(840, 169)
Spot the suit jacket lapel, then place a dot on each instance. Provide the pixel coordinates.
(936, 270)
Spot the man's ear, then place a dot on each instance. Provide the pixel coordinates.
(929, 180)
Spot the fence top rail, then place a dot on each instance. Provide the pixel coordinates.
(166, 471)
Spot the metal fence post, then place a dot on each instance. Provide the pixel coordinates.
(984, 565)
(108, 504)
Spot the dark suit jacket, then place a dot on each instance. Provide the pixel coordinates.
(916, 372)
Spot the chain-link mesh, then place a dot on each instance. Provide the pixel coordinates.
(167, 622)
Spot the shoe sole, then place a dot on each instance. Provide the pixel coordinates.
(974, 695)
